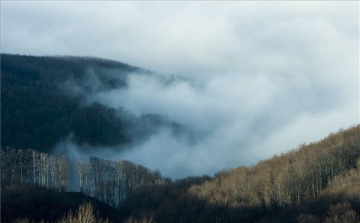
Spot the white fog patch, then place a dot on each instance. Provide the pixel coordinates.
(244, 118)
(219, 101)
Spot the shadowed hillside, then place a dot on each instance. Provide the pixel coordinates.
(37, 203)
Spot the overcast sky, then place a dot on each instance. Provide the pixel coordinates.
(263, 77)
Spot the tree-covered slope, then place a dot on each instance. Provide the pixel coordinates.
(318, 182)
(44, 101)
(315, 183)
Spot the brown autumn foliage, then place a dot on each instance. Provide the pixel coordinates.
(289, 179)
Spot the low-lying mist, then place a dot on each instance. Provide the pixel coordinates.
(193, 126)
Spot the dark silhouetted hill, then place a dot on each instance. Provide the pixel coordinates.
(37, 203)
(44, 100)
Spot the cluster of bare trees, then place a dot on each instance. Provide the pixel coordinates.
(284, 181)
(113, 181)
(32, 166)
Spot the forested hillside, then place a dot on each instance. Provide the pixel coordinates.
(45, 180)
(319, 182)
(43, 101)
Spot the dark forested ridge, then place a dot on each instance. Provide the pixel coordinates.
(43, 101)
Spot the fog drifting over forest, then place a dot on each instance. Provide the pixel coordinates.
(245, 80)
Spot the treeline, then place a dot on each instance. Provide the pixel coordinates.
(112, 182)
(316, 183)
(31, 166)
(286, 188)
(284, 181)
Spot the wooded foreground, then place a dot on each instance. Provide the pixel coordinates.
(319, 182)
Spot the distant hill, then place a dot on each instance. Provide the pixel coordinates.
(43, 101)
